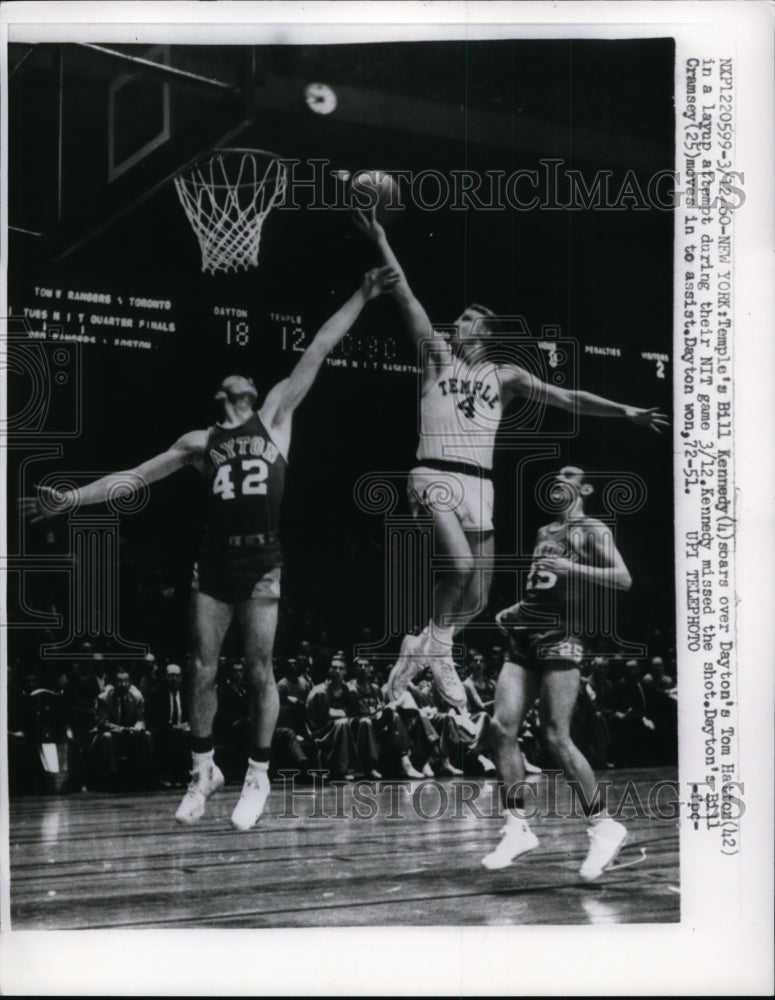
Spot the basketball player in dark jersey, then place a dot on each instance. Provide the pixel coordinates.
(463, 398)
(243, 458)
(574, 556)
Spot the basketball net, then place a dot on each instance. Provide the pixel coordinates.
(226, 198)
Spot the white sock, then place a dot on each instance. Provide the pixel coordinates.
(259, 765)
(203, 759)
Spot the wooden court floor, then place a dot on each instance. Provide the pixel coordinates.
(403, 853)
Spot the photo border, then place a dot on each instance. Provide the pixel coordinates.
(724, 941)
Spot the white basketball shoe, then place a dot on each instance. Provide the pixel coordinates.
(607, 838)
(518, 839)
(255, 791)
(206, 779)
(446, 680)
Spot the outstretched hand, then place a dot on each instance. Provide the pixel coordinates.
(366, 221)
(47, 503)
(379, 280)
(648, 418)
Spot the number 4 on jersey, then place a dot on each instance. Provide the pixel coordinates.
(468, 406)
(251, 484)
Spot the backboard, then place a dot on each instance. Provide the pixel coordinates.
(112, 124)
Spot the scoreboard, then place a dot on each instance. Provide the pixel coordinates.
(242, 325)
(146, 321)
(101, 318)
(386, 353)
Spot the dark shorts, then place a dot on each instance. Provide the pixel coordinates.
(539, 650)
(235, 582)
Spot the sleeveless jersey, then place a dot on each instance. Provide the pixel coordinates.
(546, 592)
(460, 410)
(246, 476)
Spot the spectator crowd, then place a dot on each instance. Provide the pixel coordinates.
(99, 724)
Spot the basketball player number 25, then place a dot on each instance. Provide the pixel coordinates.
(252, 483)
(541, 579)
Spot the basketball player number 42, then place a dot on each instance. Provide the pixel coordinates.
(253, 480)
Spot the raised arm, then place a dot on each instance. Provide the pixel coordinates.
(185, 451)
(414, 315)
(283, 399)
(516, 381)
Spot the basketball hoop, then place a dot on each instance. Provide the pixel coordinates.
(226, 198)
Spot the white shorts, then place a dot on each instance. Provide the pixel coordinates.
(470, 498)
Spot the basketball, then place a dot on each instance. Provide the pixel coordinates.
(375, 189)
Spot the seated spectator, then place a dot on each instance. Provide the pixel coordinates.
(81, 695)
(293, 689)
(38, 738)
(122, 743)
(529, 742)
(231, 716)
(309, 664)
(145, 675)
(423, 738)
(169, 728)
(600, 680)
(321, 653)
(463, 738)
(100, 672)
(589, 727)
(479, 688)
(632, 730)
(495, 661)
(72, 766)
(232, 731)
(662, 709)
(614, 668)
(378, 730)
(330, 707)
(472, 652)
(289, 753)
(231, 728)
(657, 678)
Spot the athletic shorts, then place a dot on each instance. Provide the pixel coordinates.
(469, 497)
(536, 650)
(237, 581)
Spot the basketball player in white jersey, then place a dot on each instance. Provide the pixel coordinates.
(463, 398)
(243, 457)
(574, 559)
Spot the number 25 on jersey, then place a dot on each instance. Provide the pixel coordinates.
(253, 479)
(541, 579)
